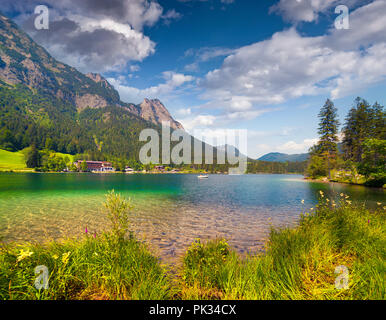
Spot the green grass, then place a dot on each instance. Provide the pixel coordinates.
(105, 266)
(298, 263)
(12, 161)
(15, 161)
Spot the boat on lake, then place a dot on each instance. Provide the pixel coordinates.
(203, 176)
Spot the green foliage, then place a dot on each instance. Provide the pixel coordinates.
(83, 166)
(118, 214)
(202, 262)
(33, 158)
(362, 122)
(258, 166)
(327, 147)
(364, 136)
(328, 129)
(316, 167)
(373, 164)
(28, 118)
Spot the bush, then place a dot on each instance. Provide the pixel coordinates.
(316, 167)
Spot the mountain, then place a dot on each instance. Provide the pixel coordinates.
(155, 112)
(23, 62)
(282, 157)
(225, 148)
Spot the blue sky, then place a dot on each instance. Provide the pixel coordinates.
(266, 66)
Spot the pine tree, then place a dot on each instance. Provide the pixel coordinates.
(328, 129)
(33, 158)
(363, 122)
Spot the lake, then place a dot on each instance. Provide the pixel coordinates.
(169, 210)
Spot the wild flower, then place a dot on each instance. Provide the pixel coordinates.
(65, 257)
(303, 201)
(379, 203)
(23, 254)
(348, 201)
(86, 230)
(55, 256)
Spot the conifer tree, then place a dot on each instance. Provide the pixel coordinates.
(328, 130)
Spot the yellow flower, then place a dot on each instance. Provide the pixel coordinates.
(342, 195)
(65, 257)
(24, 254)
(312, 209)
(328, 200)
(378, 203)
(302, 201)
(55, 256)
(349, 202)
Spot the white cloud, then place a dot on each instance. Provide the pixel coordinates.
(94, 35)
(198, 122)
(290, 65)
(184, 112)
(294, 147)
(172, 82)
(307, 10)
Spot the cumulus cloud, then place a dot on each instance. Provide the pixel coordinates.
(173, 81)
(94, 35)
(293, 147)
(290, 65)
(308, 10)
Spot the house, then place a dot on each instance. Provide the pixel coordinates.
(96, 166)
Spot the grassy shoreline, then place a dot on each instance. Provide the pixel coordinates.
(298, 263)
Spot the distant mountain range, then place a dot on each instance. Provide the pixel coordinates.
(282, 157)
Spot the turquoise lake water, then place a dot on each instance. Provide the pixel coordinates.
(169, 211)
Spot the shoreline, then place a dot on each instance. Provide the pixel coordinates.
(327, 181)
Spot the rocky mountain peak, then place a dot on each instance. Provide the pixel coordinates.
(154, 111)
(24, 62)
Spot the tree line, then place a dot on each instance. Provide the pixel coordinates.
(360, 155)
